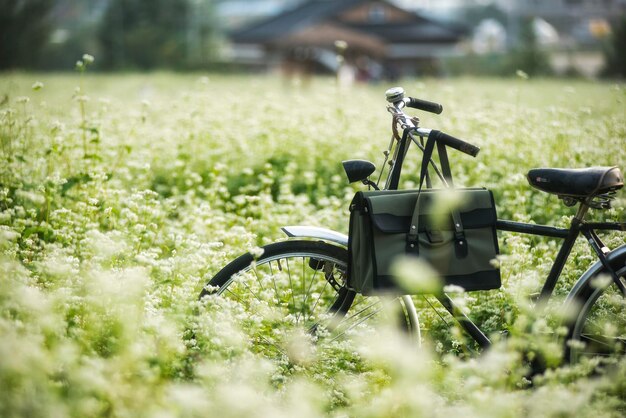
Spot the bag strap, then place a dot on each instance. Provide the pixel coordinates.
(460, 243)
(395, 171)
(412, 241)
(460, 247)
(428, 153)
(445, 163)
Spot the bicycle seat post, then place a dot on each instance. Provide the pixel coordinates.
(562, 255)
(582, 210)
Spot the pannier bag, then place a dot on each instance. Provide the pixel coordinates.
(459, 242)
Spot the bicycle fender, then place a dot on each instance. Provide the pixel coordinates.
(324, 234)
(592, 272)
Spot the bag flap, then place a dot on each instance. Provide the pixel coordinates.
(392, 224)
(391, 211)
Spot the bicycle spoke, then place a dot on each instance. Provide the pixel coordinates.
(276, 295)
(249, 289)
(357, 324)
(240, 300)
(258, 279)
(436, 311)
(378, 302)
(602, 341)
(280, 350)
(319, 297)
(255, 312)
(306, 295)
(290, 284)
(346, 320)
(303, 292)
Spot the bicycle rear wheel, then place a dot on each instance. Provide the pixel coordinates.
(300, 286)
(598, 330)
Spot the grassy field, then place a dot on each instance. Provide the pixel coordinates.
(121, 196)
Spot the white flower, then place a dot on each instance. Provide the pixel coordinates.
(257, 252)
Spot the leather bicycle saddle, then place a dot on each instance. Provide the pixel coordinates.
(576, 182)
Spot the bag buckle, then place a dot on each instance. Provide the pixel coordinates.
(460, 243)
(412, 241)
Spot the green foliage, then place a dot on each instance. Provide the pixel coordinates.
(120, 199)
(58, 54)
(24, 30)
(614, 52)
(528, 55)
(492, 64)
(144, 34)
(473, 15)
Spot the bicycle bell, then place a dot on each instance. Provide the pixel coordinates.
(395, 94)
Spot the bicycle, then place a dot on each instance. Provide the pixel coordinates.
(273, 287)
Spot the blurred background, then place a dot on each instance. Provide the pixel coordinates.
(363, 40)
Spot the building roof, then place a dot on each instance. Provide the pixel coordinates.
(306, 14)
(326, 34)
(426, 31)
(314, 12)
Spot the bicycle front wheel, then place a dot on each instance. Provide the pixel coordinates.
(598, 330)
(300, 287)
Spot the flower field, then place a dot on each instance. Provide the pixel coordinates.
(122, 195)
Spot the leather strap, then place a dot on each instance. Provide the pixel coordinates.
(444, 163)
(412, 241)
(395, 170)
(428, 153)
(460, 243)
(412, 238)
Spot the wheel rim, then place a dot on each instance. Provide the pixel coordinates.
(600, 329)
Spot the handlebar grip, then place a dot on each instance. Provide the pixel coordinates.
(456, 143)
(424, 105)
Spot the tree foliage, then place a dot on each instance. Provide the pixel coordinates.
(528, 55)
(24, 29)
(615, 52)
(144, 34)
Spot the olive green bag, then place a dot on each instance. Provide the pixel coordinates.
(459, 242)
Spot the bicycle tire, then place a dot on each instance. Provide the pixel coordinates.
(275, 293)
(597, 330)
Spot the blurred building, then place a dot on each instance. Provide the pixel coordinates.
(575, 21)
(573, 32)
(381, 39)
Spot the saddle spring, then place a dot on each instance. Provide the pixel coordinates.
(601, 201)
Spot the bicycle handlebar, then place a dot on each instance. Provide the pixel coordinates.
(456, 143)
(395, 96)
(424, 105)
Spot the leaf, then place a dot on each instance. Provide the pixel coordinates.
(93, 157)
(73, 181)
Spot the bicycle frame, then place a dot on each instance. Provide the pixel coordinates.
(578, 227)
